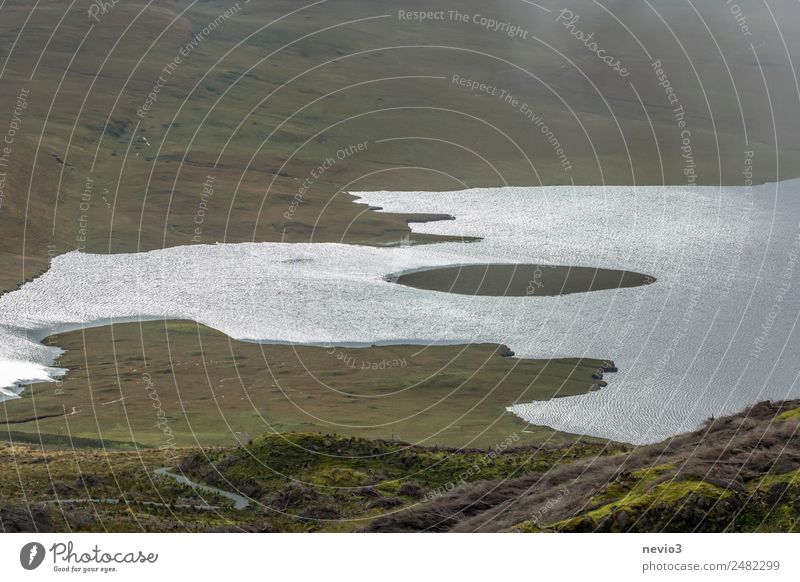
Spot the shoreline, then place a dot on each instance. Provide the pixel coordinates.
(445, 395)
(340, 276)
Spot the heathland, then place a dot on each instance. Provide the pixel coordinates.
(737, 473)
(152, 125)
(148, 126)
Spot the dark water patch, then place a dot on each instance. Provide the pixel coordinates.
(520, 280)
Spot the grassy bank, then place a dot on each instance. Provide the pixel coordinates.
(185, 384)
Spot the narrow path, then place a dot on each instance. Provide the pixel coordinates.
(117, 501)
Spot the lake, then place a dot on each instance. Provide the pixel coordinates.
(714, 331)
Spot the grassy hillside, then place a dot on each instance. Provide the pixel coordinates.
(738, 473)
(294, 481)
(263, 93)
(176, 122)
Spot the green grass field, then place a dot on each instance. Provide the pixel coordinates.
(183, 384)
(235, 147)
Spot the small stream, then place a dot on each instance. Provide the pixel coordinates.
(239, 501)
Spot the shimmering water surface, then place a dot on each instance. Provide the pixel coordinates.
(715, 332)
